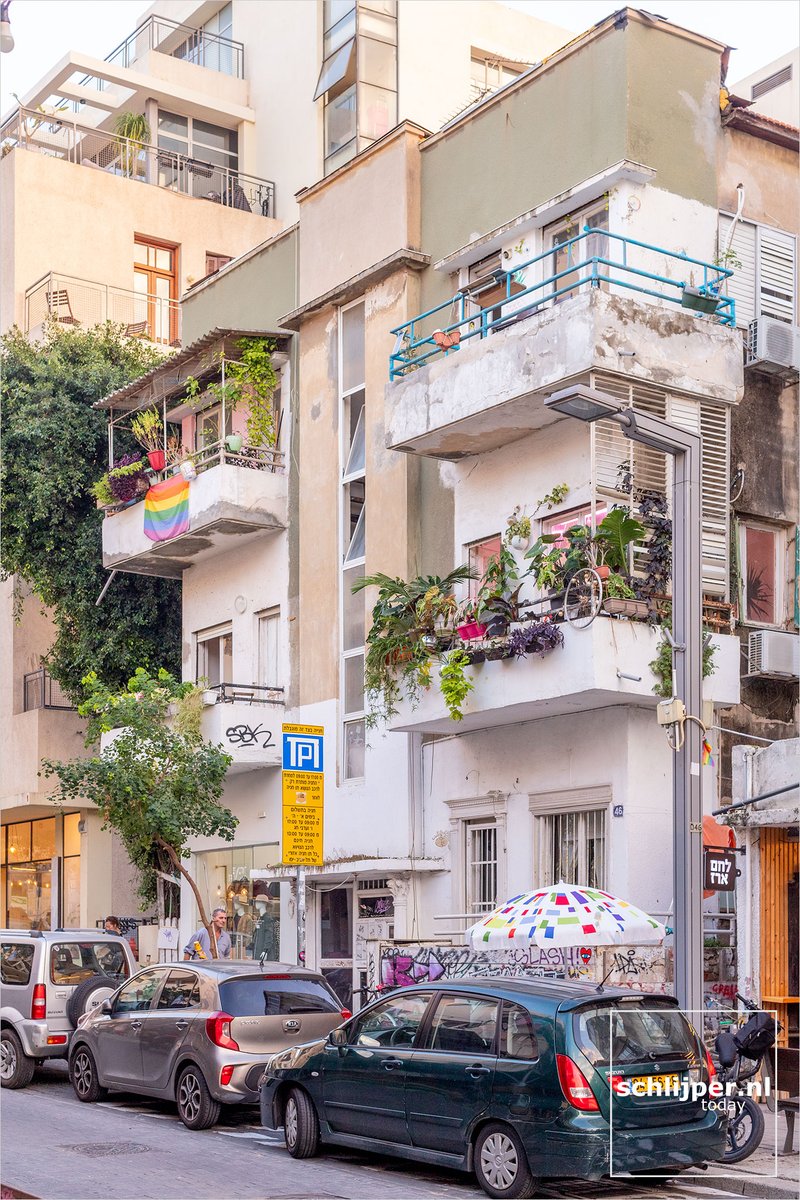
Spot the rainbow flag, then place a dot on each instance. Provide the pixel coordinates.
(708, 757)
(166, 509)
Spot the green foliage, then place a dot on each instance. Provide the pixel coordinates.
(613, 537)
(616, 587)
(55, 447)
(133, 126)
(148, 429)
(251, 380)
(661, 665)
(557, 496)
(101, 490)
(454, 683)
(158, 784)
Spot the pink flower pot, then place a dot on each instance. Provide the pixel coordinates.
(471, 630)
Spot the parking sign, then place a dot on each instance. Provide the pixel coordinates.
(303, 795)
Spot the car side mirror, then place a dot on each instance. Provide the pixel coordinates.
(107, 1007)
(337, 1037)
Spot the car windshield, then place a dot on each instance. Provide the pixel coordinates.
(633, 1031)
(262, 996)
(74, 962)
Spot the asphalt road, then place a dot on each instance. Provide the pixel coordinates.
(129, 1148)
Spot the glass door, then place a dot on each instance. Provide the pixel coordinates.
(155, 285)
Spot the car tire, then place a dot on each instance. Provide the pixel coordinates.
(300, 1125)
(501, 1164)
(16, 1067)
(197, 1108)
(83, 1076)
(89, 994)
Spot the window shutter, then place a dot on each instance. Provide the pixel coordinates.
(777, 273)
(711, 421)
(742, 286)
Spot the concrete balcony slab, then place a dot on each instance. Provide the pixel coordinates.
(491, 392)
(250, 733)
(604, 665)
(228, 505)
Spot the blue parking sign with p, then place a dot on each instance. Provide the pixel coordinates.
(302, 749)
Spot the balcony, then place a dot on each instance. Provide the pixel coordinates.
(245, 720)
(196, 46)
(82, 303)
(40, 690)
(63, 138)
(479, 381)
(235, 498)
(598, 667)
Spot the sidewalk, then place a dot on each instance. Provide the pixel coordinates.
(763, 1174)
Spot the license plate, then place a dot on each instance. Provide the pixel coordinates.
(654, 1085)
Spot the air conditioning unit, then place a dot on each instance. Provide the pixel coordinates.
(773, 346)
(773, 655)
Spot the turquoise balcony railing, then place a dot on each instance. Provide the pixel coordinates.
(583, 261)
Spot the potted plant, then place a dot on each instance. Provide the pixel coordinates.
(127, 479)
(539, 637)
(234, 442)
(498, 602)
(703, 299)
(620, 599)
(518, 533)
(497, 648)
(102, 493)
(133, 133)
(468, 626)
(454, 684)
(148, 430)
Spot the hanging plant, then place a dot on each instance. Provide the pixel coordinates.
(661, 665)
(251, 380)
(454, 684)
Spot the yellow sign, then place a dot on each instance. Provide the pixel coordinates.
(303, 795)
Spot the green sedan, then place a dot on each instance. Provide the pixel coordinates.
(515, 1079)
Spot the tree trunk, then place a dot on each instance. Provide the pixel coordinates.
(176, 862)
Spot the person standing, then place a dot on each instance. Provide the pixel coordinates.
(199, 944)
(112, 925)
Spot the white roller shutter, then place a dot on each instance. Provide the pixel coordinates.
(777, 274)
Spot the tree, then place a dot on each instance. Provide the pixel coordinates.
(157, 783)
(54, 448)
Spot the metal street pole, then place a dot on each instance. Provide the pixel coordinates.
(685, 449)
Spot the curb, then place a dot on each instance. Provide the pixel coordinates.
(768, 1188)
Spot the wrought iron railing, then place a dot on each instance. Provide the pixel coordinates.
(517, 292)
(246, 693)
(72, 301)
(40, 690)
(197, 46)
(257, 458)
(60, 136)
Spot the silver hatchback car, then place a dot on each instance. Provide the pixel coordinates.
(199, 1033)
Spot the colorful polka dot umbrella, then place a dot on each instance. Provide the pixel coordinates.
(565, 915)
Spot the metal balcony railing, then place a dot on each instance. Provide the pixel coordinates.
(181, 41)
(40, 690)
(63, 137)
(80, 302)
(257, 458)
(246, 693)
(517, 293)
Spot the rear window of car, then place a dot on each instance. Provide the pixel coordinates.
(262, 996)
(74, 962)
(15, 962)
(633, 1031)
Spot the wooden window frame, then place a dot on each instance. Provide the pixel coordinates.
(154, 273)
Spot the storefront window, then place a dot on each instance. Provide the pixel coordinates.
(336, 923)
(231, 879)
(43, 839)
(72, 834)
(26, 881)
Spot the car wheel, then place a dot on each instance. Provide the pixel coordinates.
(16, 1067)
(90, 995)
(300, 1125)
(197, 1108)
(83, 1076)
(501, 1164)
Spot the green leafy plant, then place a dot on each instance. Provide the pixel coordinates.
(133, 133)
(157, 784)
(553, 498)
(455, 685)
(518, 525)
(614, 536)
(251, 380)
(617, 587)
(498, 602)
(661, 665)
(101, 490)
(148, 429)
(55, 447)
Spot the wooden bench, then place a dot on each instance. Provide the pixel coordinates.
(787, 1062)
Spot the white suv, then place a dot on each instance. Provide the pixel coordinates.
(48, 980)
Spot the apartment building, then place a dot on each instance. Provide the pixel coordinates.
(558, 767)
(227, 109)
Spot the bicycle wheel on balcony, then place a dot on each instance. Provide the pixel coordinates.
(583, 598)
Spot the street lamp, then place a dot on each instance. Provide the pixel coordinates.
(6, 36)
(685, 449)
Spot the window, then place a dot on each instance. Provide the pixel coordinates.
(464, 1025)
(517, 1034)
(481, 866)
(15, 963)
(156, 286)
(396, 1022)
(353, 535)
(586, 515)
(208, 427)
(269, 626)
(764, 264)
(204, 48)
(488, 72)
(75, 962)
(215, 262)
(273, 997)
(215, 655)
(137, 995)
(761, 555)
(182, 990)
(336, 923)
(567, 254)
(572, 848)
(479, 555)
